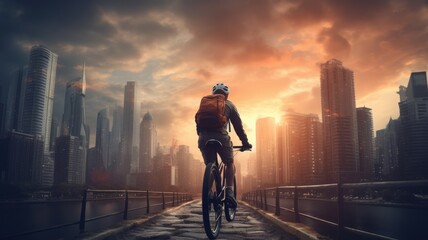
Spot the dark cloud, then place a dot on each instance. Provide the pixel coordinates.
(335, 45)
(191, 41)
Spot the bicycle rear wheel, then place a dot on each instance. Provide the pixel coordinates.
(211, 201)
(229, 210)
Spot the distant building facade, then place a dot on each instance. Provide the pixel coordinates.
(414, 127)
(339, 122)
(266, 153)
(148, 143)
(365, 142)
(69, 168)
(127, 130)
(304, 147)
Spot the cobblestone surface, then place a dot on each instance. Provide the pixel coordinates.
(186, 223)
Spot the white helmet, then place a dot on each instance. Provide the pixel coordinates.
(221, 88)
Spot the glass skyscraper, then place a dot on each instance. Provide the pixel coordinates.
(39, 96)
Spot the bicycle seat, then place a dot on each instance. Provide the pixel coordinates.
(213, 143)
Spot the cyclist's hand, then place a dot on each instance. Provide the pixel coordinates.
(246, 146)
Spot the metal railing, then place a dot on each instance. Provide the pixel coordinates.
(338, 193)
(176, 198)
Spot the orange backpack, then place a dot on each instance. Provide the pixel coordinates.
(211, 112)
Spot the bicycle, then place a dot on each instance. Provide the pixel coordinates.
(214, 191)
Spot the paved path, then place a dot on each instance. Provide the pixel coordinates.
(186, 223)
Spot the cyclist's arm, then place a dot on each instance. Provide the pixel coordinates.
(237, 124)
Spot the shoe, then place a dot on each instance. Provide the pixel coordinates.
(230, 196)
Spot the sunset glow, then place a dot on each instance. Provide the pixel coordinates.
(268, 52)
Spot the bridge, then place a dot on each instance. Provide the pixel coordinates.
(375, 210)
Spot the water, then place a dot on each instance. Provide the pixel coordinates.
(20, 217)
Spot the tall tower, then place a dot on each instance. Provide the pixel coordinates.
(102, 140)
(414, 128)
(128, 127)
(365, 142)
(115, 137)
(339, 122)
(148, 143)
(266, 153)
(39, 96)
(74, 131)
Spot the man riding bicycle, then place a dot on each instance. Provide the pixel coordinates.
(217, 129)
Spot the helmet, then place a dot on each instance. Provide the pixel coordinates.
(221, 88)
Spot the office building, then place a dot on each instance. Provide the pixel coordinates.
(339, 122)
(128, 129)
(22, 159)
(39, 93)
(414, 128)
(365, 142)
(266, 153)
(148, 143)
(304, 148)
(68, 165)
(102, 141)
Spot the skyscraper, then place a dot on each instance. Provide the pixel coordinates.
(115, 136)
(102, 140)
(39, 96)
(128, 128)
(15, 100)
(184, 158)
(73, 131)
(414, 127)
(388, 150)
(339, 122)
(148, 143)
(365, 142)
(304, 147)
(266, 153)
(283, 168)
(74, 117)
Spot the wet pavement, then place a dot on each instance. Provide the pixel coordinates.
(186, 223)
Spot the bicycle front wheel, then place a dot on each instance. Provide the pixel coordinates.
(228, 209)
(211, 201)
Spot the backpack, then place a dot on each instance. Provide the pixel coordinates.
(211, 112)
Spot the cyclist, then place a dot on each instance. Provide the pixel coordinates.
(221, 135)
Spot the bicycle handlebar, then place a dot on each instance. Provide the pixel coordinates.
(242, 148)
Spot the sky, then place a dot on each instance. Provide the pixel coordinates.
(268, 52)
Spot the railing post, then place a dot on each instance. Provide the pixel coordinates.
(277, 208)
(255, 199)
(173, 199)
(264, 192)
(163, 200)
(261, 199)
(296, 205)
(147, 202)
(125, 211)
(339, 210)
(83, 212)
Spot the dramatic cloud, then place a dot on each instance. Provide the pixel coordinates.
(269, 53)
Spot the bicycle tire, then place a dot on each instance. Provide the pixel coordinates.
(230, 212)
(211, 203)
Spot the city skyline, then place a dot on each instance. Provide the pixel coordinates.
(175, 54)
